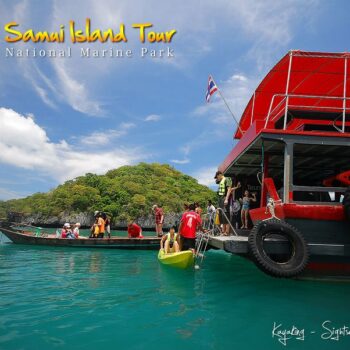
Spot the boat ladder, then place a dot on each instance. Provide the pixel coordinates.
(212, 229)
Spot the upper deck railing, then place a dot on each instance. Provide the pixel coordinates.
(280, 104)
(316, 82)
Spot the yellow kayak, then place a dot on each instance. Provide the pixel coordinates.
(181, 260)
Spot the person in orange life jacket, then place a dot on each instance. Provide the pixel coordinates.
(94, 230)
(101, 226)
(170, 242)
(134, 230)
(98, 228)
(190, 221)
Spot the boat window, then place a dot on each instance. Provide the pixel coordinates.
(317, 172)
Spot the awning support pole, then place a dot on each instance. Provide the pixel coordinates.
(287, 90)
(288, 172)
(344, 94)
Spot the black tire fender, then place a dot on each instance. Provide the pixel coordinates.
(346, 204)
(300, 252)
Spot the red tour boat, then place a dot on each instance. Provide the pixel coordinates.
(293, 149)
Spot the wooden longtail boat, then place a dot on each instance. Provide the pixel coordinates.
(19, 236)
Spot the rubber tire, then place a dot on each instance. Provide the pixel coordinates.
(346, 204)
(291, 268)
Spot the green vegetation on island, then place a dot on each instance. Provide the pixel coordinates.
(126, 192)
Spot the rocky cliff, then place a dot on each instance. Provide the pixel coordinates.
(87, 219)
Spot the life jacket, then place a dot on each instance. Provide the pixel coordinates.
(222, 187)
(169, 237)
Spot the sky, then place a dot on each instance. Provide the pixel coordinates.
(63, 117)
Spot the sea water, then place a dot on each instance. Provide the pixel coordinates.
(71, 298)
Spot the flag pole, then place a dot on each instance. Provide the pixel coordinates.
(228, 107)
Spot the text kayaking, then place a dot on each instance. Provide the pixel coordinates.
(87, 35)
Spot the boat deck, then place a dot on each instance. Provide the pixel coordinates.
(239, 245)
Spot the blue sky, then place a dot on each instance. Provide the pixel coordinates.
(63, 117)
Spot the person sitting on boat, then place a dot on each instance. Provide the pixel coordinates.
(66, 231)
(245, 201)
(134, 230)
(95, 230)
(170, 242)
(76, 230)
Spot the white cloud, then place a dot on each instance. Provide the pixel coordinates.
(75, 92)
(102, 138)
(240, 77)
(205, 176)
(266, 26)
(237, 90)
(126, 126)
(41, 84)
(180, 161)
(25, 144)
(153, 118)
(6, 194)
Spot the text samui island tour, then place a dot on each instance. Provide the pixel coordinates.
(174, 175)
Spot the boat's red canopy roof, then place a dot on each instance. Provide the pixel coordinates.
(312, 74)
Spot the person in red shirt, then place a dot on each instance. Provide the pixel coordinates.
(159, 216)
(189, 224)
(134, 230)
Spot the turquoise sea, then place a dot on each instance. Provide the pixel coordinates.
(59, 298)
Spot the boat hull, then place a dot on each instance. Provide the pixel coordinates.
(20, 237)
(181, 260)
(328, 260)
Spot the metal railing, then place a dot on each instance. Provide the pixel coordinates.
(283, 105)
(210, 225)
(212, 230)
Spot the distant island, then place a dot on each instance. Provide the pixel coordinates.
(124, 193)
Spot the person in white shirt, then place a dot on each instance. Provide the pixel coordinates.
(211, 210)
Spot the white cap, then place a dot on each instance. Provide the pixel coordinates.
(67, 224)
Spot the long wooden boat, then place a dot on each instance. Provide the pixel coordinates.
(19, 236)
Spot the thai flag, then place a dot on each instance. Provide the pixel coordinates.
(212, 88)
